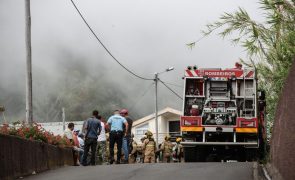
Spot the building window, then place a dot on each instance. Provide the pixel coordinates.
(174, 128)
(141, 130)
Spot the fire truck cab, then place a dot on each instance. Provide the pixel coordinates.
(223, 115)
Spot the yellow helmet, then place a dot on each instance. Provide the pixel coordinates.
(178, 139)
(167, 137)
(149, 133)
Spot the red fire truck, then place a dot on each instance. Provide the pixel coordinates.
(223, 115)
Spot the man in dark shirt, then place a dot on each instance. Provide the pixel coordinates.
(92, 128)
(126, 138)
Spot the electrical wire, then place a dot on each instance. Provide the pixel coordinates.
(107, 50)
(170, 89)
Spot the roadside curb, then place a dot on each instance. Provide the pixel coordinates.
(260, 172)
(265, 172)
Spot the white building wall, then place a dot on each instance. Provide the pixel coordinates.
(57, 127)
(162, 125)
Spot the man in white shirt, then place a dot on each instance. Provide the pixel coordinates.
(69, 132)
(101, 144)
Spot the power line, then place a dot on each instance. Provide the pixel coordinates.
(107, 50)
(170, 89)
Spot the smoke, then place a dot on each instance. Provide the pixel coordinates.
(71, 70)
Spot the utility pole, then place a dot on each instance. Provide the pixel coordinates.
(2, 109)
(156, 102)
(29, 89)
(156, 108)
(63, 119)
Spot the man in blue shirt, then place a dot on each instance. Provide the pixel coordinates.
(92, 129)
(116, 123)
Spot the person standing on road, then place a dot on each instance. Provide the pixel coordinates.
(126, 138)
(101, 143)
(133, 150)
(178, 150)
(92, 129)
(166, 148)
(84, 125)
(116, 134)
(149, 147)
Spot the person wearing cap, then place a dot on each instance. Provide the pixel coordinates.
(116, 123)
(126, 138)
(92, 129)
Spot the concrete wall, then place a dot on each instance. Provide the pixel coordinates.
(20, 157)
(282, 164)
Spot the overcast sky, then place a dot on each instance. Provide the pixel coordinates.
(147, 36)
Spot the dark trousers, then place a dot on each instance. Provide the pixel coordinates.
(116, 137)
(89, 143)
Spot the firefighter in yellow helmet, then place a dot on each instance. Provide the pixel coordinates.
(166, 148)
(149, 147)
(177, 151)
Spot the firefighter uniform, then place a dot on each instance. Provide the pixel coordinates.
(140, 150)
(149, 147)
(178, 150)
(166, 148)
(133, 154)
(107, 147)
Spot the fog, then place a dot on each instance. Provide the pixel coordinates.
(71, 70)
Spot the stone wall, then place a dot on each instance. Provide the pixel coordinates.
(21, 157)
(282, 163)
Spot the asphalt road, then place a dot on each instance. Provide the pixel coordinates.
(160, 171)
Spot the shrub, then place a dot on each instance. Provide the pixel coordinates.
(35, 132)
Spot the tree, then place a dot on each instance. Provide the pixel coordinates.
(270, 45)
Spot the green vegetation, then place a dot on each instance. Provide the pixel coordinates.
(270, 45)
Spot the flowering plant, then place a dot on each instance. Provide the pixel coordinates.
(35, 132)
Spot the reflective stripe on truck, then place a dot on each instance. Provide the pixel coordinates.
(194, 129)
